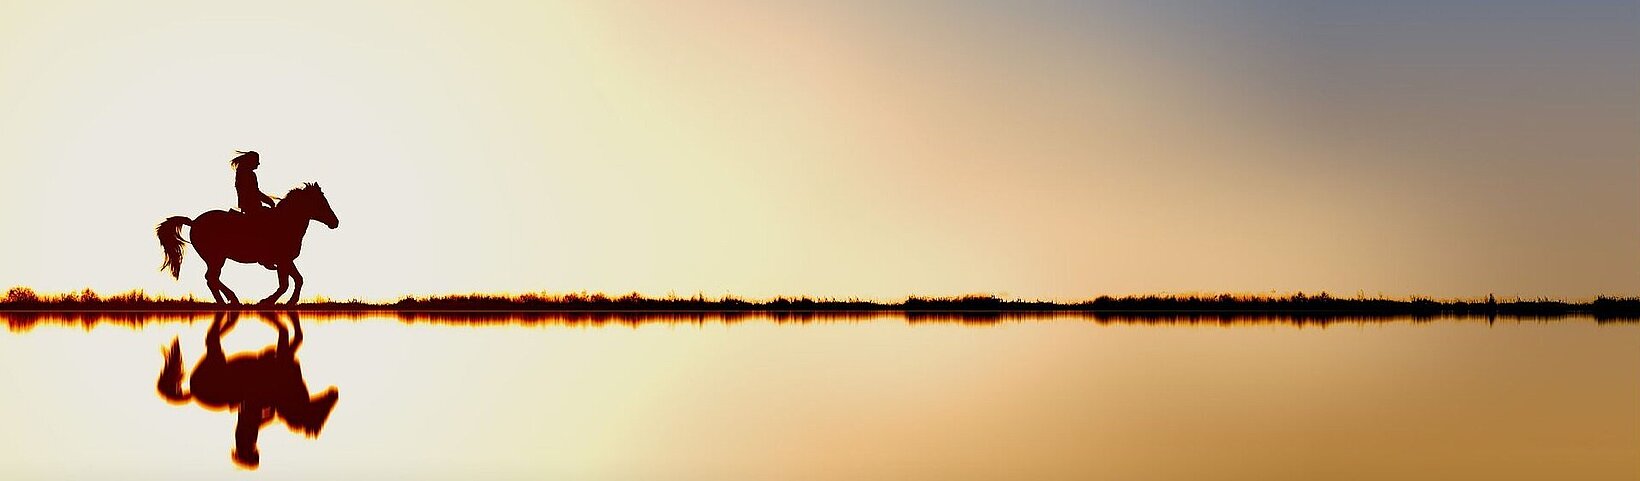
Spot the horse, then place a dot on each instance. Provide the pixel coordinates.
(272, 238)
(260, 386)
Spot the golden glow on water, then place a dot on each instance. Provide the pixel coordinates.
(1056, 397)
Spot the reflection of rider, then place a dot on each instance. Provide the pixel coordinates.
(251, 197)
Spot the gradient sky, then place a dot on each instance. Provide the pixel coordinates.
(1052, 150)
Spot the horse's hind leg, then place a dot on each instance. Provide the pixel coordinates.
(213, 273)
(213, 280)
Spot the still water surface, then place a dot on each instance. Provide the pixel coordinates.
(860, 396)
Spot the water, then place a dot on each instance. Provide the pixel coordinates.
(861, 396)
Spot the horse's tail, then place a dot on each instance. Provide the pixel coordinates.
(170, 239)
(170, 378)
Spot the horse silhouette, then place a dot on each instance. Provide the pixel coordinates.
(273, 239)
(260, 386)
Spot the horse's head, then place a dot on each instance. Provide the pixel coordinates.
(310, 202)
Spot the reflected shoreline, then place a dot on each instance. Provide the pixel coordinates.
(23, 321)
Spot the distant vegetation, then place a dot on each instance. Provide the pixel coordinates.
(25, 299)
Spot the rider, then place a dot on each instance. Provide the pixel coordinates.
(251, 197)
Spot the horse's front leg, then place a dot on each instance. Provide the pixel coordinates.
(283, 283)
(289, 268)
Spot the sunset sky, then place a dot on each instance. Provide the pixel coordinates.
(1053, 150)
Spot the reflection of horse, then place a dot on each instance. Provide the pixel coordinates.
(260, 386)
(272, 239)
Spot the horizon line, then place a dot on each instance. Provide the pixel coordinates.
(22, 299)
(88, 294)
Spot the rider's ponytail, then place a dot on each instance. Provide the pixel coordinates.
(244, 157)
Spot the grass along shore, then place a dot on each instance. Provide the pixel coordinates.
(25, 299)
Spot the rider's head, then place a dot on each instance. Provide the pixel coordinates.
(247, 457)
(245, 160)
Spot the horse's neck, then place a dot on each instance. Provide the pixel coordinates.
(291, 223)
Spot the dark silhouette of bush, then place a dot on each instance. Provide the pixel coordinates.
(21, 296)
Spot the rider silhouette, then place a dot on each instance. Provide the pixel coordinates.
(251, 197)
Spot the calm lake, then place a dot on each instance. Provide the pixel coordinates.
(855, 396)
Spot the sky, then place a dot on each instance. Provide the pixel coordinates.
(1034, 149)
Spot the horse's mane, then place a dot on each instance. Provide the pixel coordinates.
(305, 187)
(304, 190)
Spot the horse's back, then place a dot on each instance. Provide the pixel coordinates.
(212, 228)
(242, 237)
(215, 217)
